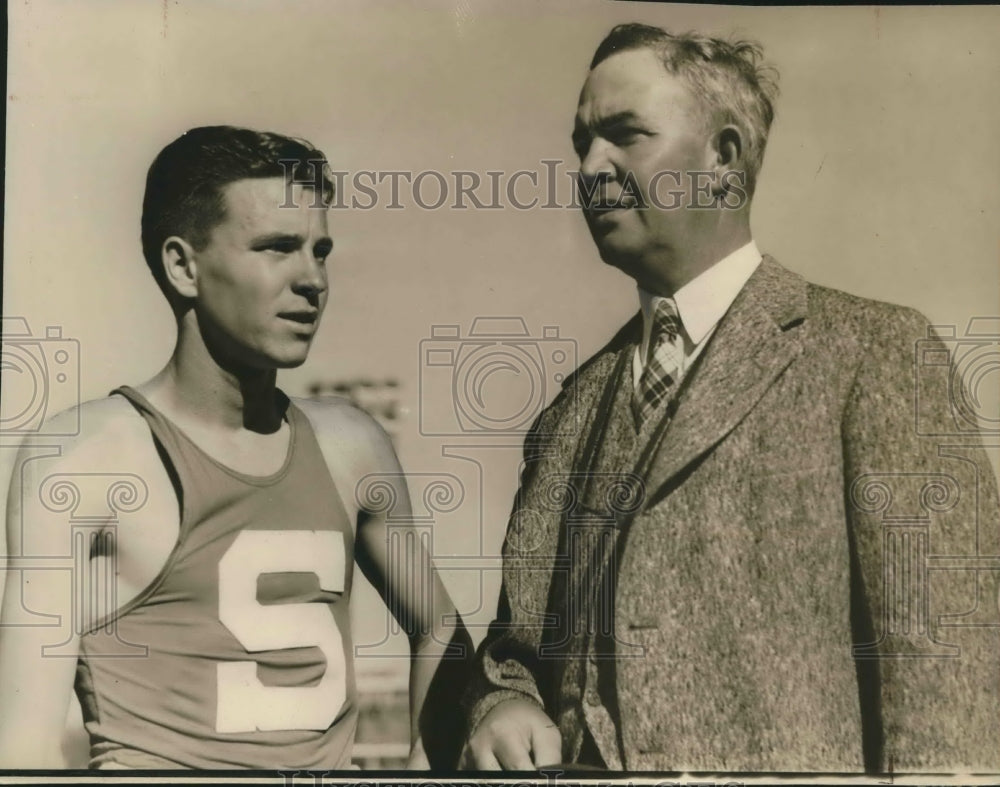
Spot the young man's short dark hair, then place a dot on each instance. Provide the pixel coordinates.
(185, 181)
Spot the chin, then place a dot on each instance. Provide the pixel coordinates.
(626, 260)
(282, 357)
(289, 362)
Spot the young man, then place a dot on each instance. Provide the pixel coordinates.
(222, 639)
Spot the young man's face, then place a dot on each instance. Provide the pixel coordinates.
(262, 280)
(634, 117)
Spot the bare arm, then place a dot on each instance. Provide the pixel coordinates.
(38, 641)
(389, 551)
(399, 566)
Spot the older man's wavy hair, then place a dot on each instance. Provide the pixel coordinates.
(728, 77)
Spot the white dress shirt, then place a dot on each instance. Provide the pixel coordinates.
(701, 303)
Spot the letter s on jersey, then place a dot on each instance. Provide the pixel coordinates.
(244, 703)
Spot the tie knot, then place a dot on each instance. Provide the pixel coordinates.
(666, 321)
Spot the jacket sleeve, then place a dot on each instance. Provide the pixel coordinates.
(507, 664)
(924, 522)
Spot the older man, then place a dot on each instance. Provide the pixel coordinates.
(727, 551)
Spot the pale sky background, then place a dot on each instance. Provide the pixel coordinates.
(880, 179)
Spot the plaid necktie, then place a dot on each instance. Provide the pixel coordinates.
(663, 364)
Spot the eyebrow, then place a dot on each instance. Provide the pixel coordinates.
(611, 121)
(276, 237)
(270, 238)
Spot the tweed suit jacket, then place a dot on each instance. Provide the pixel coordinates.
(811, 579)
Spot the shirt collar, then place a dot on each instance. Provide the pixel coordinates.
(703, 301)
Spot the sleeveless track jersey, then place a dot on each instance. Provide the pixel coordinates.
(238, 654)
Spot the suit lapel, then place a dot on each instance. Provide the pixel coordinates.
(752, 345)
(591, 381)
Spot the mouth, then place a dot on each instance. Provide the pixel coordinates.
(305, 318)
(605, 206)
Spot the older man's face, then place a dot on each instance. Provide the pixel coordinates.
(634, 117)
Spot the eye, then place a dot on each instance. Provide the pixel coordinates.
(322, 250)
(280, 246)
(625, 135)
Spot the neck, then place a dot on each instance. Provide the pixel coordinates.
(674, 268)
(198, 386)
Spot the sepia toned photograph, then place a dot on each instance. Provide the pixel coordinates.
(567, 391)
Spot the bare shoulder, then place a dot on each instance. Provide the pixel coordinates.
(349, 435)
(103, 436)
(94, 435)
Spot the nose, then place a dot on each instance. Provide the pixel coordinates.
(596, 170)
(596, 162)
(310, 280)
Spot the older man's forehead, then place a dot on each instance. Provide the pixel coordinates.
(634, 82)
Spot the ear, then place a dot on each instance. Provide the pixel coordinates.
(729, 152)
(180, 266)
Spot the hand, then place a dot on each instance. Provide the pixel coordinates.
(515, 736)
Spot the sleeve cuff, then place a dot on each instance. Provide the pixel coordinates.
(494, 698)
